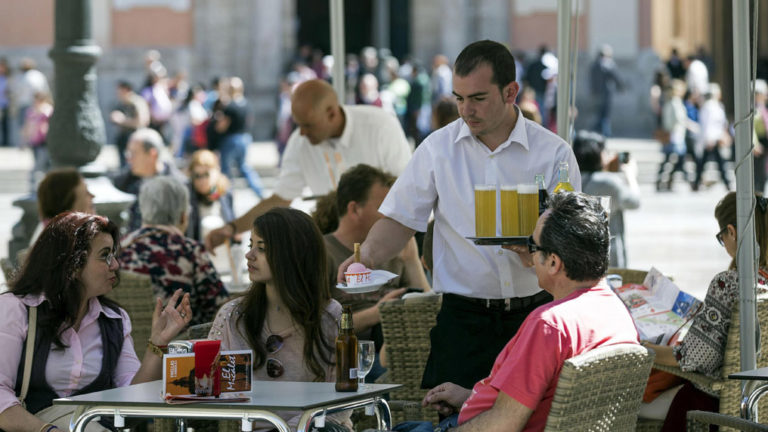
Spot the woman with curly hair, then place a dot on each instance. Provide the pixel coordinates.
(81, 341)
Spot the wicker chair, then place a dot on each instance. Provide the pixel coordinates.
(699, 421)
(601, 390)
(135, 295)
(406, 325)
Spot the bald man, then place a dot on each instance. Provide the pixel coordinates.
(329, 139)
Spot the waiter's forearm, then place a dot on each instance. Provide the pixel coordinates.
(385, 240)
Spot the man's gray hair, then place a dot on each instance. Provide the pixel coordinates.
(162, 201)
(149, 138)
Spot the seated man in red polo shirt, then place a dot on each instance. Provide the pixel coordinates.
(569, 251)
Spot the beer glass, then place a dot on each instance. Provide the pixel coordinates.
(510, 215)
(528, 202)
(485, 210)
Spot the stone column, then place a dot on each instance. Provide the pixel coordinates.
(76, 132)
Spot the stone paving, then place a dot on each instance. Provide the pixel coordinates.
(673, 231)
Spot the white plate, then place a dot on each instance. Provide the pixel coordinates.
(378, 279)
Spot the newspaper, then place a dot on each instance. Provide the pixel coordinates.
(659, 308)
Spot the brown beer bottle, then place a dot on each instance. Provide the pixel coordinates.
(346, 354)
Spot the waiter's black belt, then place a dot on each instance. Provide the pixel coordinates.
(505, 305)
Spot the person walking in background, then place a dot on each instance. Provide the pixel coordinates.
(534, 78)
(188, 116)
(761, 135)
(130, 114)
(158, 97)
(714, 134)
(232, 125)
(30, 82)
(696, 75)
(34, 135)
(5, 103)
(442, 78)
(604, 83)
(674, 121)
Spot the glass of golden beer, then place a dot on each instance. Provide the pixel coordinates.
(485, 210)
(528, 202)
(510, 215)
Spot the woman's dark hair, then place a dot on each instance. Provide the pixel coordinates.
(588, 149)
(295, 252)
(56, 193)
(53, 268)
(725, 213)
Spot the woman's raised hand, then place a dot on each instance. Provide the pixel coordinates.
(169, 321)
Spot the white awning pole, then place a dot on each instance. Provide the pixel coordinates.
(337, 48)
(564, 69)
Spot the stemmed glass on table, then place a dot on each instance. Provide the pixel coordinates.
(366, 354)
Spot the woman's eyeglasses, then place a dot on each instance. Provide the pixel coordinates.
(198, 176)
(719, 235)
(275, 368)
(108, 259)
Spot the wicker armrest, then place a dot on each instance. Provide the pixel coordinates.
(698, 379)
(700, 421)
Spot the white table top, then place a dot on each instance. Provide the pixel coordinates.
(275, 395)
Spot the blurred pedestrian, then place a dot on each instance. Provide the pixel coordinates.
(232, 125)
(130, 114)
(34, 135)
(30, 82)
(5, 103)
(605, 82)
(674, 121)
(714, 135)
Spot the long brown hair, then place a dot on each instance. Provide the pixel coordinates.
(53, 268)
(56, 193)
(295, 252)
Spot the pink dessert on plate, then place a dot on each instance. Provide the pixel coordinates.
(357, 274)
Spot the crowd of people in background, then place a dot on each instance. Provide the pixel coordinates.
(692, 124)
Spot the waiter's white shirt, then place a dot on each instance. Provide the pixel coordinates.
(371, 136)
(441, 177)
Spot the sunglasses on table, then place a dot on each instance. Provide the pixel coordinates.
(275, 368)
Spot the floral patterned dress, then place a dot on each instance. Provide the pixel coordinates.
(703, 348)
(174, 261)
